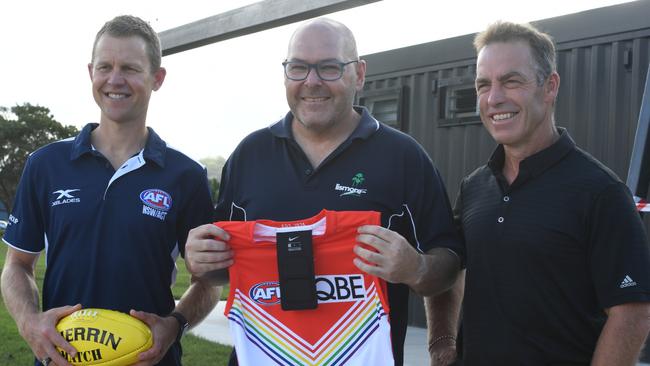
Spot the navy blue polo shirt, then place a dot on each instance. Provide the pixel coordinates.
(377, 168)
(545, 255)
(111, 237)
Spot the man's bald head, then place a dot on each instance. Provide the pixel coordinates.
(331, 31)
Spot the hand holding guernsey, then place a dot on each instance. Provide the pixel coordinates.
(350, 325)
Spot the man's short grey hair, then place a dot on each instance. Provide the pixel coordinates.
(541, 44)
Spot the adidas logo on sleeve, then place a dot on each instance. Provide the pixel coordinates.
(627, 282)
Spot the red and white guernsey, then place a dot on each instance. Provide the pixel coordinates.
(350, 325)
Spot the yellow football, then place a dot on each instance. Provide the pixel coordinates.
(104, 337)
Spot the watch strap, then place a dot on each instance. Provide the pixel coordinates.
(183, 324)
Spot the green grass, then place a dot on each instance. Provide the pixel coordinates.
(183, 281)
(196, 351)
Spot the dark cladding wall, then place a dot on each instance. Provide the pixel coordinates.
(603, 58)
(600, 95)
(455, 148)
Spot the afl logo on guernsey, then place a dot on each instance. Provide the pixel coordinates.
(329, 288)
(156, 198)
(265, 293)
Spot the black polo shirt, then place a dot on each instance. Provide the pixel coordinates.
(545, 255)
(377, 168)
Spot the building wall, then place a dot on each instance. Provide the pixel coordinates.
(603, 58)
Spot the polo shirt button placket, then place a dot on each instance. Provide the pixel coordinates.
(501, 219)
(309, 179)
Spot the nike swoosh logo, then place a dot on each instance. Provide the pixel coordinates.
(294, 238)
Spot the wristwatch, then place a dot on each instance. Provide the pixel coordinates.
(183, 324)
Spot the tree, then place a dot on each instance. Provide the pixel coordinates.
(214, 189)
(23, 129)
(214, 165)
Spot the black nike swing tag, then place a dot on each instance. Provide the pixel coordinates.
(296, 270)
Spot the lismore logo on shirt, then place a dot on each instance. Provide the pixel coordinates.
(355, 189)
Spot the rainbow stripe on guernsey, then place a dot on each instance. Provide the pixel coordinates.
(337, 345)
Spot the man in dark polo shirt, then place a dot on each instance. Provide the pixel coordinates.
(558, 267)
(111, 209)
(328, 154)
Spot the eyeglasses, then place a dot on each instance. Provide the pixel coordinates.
(326, 70)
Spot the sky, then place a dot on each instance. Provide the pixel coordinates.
(215, 95)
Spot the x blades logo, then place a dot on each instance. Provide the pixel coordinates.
(65, 196)
(65, 193)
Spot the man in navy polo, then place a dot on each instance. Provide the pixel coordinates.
(328, 154)
(112, 209)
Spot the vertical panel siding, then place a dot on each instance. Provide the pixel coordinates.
(600, 97)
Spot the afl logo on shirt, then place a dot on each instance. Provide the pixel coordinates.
(265, 293)
(329, 288)
(156, 203)
(156, 198)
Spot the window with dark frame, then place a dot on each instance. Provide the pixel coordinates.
(385, 110)
(385, 105)
(456, 102)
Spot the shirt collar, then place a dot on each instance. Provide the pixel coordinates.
(366, 127)
(154, 149)
(537, 163)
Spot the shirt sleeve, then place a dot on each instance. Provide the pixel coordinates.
(225, 198)
(433, 216)
(198, 210)
(619, 255)
(26, 230)
(459, 249)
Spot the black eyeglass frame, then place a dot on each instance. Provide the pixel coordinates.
(315, 67)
